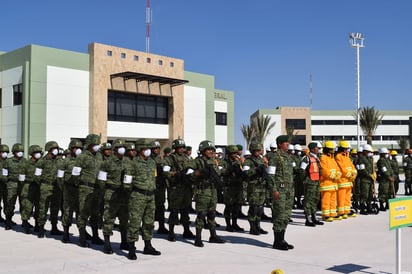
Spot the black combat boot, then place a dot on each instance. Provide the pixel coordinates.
(235, 226)
(162, 229)
(172, 235)
(253, 229)
(214, 238)
(55, 230)
(41, 232)
(261, 231)
(132, 252)
(2, 220)
(82, 237)
(309, 221)
(315, 220)
(9, 223)
(198, 238)
(187, 234)
(283, 240)
(26, 227)
(381, 206)
(229, 227)
(386, 205)
(95, 236)
(66, 235)
(278, 243)
(363, 209)
(149, 249)
(123, 240)
(107, 248)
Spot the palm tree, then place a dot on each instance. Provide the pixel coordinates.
(262, 127)
(248, 133)
(289, 133)
(369, 119)
(403, 144)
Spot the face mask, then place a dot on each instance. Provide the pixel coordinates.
(370, 154)
(121, 150)
(96, 148)
(147, 152)
(299, 153)
(19, 154)
(37, 155)
(55, 152)
(386, 155)
(78, 151)
(4, 155)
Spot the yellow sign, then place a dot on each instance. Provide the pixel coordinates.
(400, 212)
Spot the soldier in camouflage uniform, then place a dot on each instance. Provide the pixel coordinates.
(50, 193)
(280, 176)
(356, 183)
(4, 152)
(395, 168)
(407, 168)
(70, 188)
(367, 176)
(30, 192)
(205, 174)
(115, 196)
(179, 189)
(87, 166)
(233, 188)
(297, 177)
(160, 194)
(140, 178)
(254, 170)
(13, 168)
(130, 150)
(385, 178)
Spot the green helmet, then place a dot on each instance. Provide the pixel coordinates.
(143, 143)
(119, 143)
(17, 147)
(130, 146)
(156, 144)
(106, 146)
(75, 143)
(4, 148)
(255, 146)
(178, 143)
(92, 139)
(34, 149)
(51, 144)
(206, 145)
(231, 149)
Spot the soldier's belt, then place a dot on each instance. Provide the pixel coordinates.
(87, 184)
(143, 191)
(112, 187)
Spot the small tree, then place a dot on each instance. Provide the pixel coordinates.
(262, 127)
(248, 133)
(369, 120)
(403, 144)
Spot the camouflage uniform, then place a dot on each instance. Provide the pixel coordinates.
(395, 168)
(141, 201)
(367, 177)
(385, 179)
(407, 167)
(4, 151)
(15, 168)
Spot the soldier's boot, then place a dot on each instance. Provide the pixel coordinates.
(2, 220)
(278, 243)
(198, 238)
(88, 236)
(95, 236)
(363, 210)
(132, 251)
(149, 249)
(187, 234)
(261, 231)
(55, 230)
(382, 206)
(41, 232)
(309, 221)
(315, 220)
(284, 241)
(36, 227)
(9, 223)
(66, 235)
(172, 235)
(235, 226)
(214, 238)
(26, 227)
(386, 205)
(123, 240)
(107, 248)
(82, 237)
(162, 229)
(229, 227)
(253, 229)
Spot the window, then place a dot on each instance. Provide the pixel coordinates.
(136, 58)
(296, 123)
(123, 55)
(109, 53)
(160, 63)
(172, 64)
(148, 60)
(221, 118)
(17, 94)
(299, 139)
(137, 108)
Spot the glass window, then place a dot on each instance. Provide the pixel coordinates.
(17, 94)
(296, 123)
(136, 58)
(123, 55)
(221, 118)
(109, 53)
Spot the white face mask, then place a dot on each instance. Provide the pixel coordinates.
(299, 153)
(4, 155)
(78, 151)
(19, 154)
(37, 155)
(96, 148)
(121, 150)
(55, 152)
(370, 154)
(147, 152)
(386, 155)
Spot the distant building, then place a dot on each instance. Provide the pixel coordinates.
(53, 94)
(321, 125)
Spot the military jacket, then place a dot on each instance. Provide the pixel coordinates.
(143, 172)
(175, 163)
(385, 171)
(254, 170)
(90, 165)
(49, 167)
(232, 172)
(395, 166)
(365, 168)
(15, 167)
(114, 167)
(407, 166)
(280, 171)
(29, 171)
(205, 167)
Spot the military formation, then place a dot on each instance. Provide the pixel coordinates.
(94, 184)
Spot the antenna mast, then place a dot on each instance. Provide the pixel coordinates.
(148, 21)
(310, 90)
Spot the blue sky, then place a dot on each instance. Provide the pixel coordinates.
(264, 50)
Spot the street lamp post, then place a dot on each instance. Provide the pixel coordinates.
(356, 40)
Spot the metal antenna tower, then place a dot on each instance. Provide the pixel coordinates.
(148, 21)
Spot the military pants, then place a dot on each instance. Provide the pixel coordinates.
(206, 201)
(282, 210)
(160, 199)
(141, 216)
(50, 198)
(233, 199)
(180, 199)
(3, 194)
(256, 199)
(384, 190)
(366, 191)
(312, 197)
(89, 207)
(13, 191)
(116, 203)
(30, 198)
(70, 203)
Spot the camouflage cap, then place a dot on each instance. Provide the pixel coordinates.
(51, 144)
(142, 144)
(155, 144)
(92, 139)
(4, 148)
(17, 147)
(34, 149)
(75, 143)
(106, 146)
(119, 143)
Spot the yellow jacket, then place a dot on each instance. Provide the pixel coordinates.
(330, 173)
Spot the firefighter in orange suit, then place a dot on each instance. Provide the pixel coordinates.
(345, 182)
(330, 174)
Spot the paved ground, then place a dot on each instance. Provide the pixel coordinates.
(357, 245)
